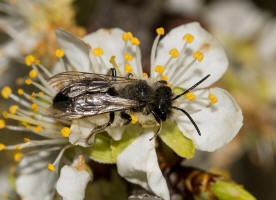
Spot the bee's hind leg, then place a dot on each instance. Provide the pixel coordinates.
(100, 128)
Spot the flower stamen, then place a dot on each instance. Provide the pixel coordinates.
(133, 119)
(212, 98)
(160, 31)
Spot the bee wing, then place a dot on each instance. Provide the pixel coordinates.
(61, 80)
(90, 105)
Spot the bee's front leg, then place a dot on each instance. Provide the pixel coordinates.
(159, 122)
(100, 128)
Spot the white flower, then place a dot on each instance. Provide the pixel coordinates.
(29, 24)
(266, 50)
(183, 57)
(240, 20)
(42, 158)
(6, 188)
(184, 7)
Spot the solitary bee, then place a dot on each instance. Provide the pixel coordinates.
(83, 94)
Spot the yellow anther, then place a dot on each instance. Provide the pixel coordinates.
(190, 96)
(174, 53)
(169, 85)
(18, 147)
(2, 147)
(127, 36)
(5, 195)
(145, 75)
(41, 93)
(13, 109)
(2, 124)
(12, 169)
(160, 69)
(19, 81)
(32, 73)
(51, 167)
(26, 140)
(29, 60)
(213, 98)
(6, 91)
(135, 41)
(98, 51)
(36, 62)
(5, 114)
(34, 107)
(164, 78)
(128, 56)
(33, 96)
(17, 157)
(20, 91)
(28, 81)
(188, 37)
(37, 129)
(59, 53)
(199, 56)
(128, 68)
(133, 119)
(65, 131)
(160, 31)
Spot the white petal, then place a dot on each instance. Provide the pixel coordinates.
(184, 7)
(266, 48)
(238, 19)
(35, 181)
(4, 182)
(138, 164)
(184, 74)
(75, 50)
(110, 40)
(80, 131)
(72, 182)
(116, 132)
(218, 123)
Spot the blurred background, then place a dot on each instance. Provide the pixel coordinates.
(247, 30)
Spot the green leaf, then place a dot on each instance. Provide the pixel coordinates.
(230, 191)
(101, 149)
(106, 150)
(175, 139)
(129, 135)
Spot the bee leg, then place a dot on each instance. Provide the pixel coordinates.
(100, 128)
(127, 117)
(113, 73)
(159, 122)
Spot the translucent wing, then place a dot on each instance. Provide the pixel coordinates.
(89, 105)
(64, 79)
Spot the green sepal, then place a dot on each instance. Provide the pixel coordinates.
(106, 150)
(230, 191)
(174, 138)
(100, 151)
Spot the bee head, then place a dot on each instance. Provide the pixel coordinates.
(162, 102)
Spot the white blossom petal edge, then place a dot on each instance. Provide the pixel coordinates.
(138, 164)
(219, 122)
(35, 181)
(73, 180)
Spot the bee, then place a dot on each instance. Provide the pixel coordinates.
(82, 94)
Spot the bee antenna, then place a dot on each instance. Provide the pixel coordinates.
(190, 118)
(191, 88)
